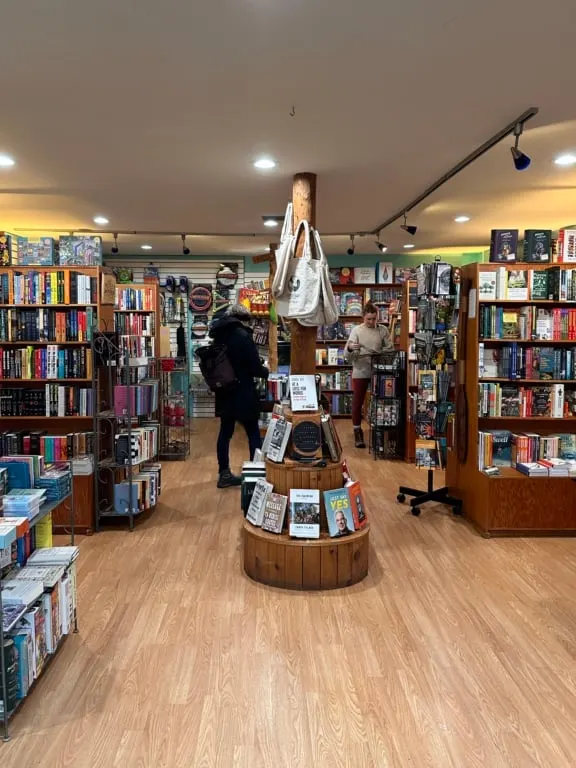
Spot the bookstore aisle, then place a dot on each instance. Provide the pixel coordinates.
(435, 659)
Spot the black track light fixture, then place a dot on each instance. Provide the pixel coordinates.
(114, 248)
(408, 228)
(185, 249)
(352, 248)
(381, 247)
(521, 161)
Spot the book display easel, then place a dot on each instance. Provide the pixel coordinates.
(514, 460)
(47, 399)
(319, 548)
(126, 423)
(37, 580)
(438, 291)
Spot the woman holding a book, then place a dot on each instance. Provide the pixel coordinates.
(365, 340)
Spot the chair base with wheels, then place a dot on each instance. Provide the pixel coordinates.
(439, 495)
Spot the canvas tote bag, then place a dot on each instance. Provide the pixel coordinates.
(303, 279)
(327, 311)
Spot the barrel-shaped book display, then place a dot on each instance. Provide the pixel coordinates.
(290, 563)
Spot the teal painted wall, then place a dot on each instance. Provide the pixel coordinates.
(398, 259)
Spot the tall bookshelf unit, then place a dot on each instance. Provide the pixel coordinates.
(336, 373)
(511, 502)
(126, 366)
(47, 311)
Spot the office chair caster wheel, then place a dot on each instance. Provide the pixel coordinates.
(401, 498)
(416, 511)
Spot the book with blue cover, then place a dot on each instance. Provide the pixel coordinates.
(122, 499)
(501, 448)
(339, 512)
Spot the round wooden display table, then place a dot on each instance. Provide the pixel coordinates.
(324, 563)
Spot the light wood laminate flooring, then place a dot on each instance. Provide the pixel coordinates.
(455, 651)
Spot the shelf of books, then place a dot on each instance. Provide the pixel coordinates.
(516, 466)
(305, 522)
(126, 426)
(48, 315)
(37, 580)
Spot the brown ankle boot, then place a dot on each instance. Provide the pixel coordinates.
(359, 438)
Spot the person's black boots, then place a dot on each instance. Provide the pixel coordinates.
(226, 479)
(359, 438)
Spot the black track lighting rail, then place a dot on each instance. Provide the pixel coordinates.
(468, 160)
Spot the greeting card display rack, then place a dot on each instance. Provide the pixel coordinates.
(66, 507)
(431, 406)
(386, 413)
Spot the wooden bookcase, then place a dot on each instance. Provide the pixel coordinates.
(367, 291)
(57, 425)
(510, 503)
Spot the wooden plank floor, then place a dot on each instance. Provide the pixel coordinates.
(455, 651)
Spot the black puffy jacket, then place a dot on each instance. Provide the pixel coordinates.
(241, 401)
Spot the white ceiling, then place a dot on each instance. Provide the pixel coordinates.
(152, 113)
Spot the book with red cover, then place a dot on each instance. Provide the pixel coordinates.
(357, 504)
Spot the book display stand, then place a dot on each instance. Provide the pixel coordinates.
(126, 428)
(11, 615)
(277, 559)
(435, 346)
(174, 424)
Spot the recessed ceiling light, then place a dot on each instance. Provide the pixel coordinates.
(146, 247)
(270, 222)
(462, 219)
(265, 163)
(102, 220)
(409, 245)
(567, 159)
(6, 161)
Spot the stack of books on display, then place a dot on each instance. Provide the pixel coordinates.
(48, 287)
(24, 502)
(252, 471)
(83, 466)
(52, 447)
(532, 469)
(57, 482)
(552, 284)
(532, 454)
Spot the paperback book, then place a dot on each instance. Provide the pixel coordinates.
(305, 513)
(279, 437)
(538, 246)
(517, 285)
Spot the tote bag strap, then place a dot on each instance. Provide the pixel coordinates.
(307, 252)
(287, 226)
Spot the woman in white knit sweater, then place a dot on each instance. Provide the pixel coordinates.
(365, 340)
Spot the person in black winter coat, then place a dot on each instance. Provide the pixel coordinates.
(240, 402)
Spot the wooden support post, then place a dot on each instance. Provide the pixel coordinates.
(303, 351)
(272, 327)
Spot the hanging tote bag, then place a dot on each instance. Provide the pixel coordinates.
(302, 290)
(327, 311)
(283, 253)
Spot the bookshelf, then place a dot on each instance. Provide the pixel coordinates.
(47, 318)
(510, 502)
(126, 427)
